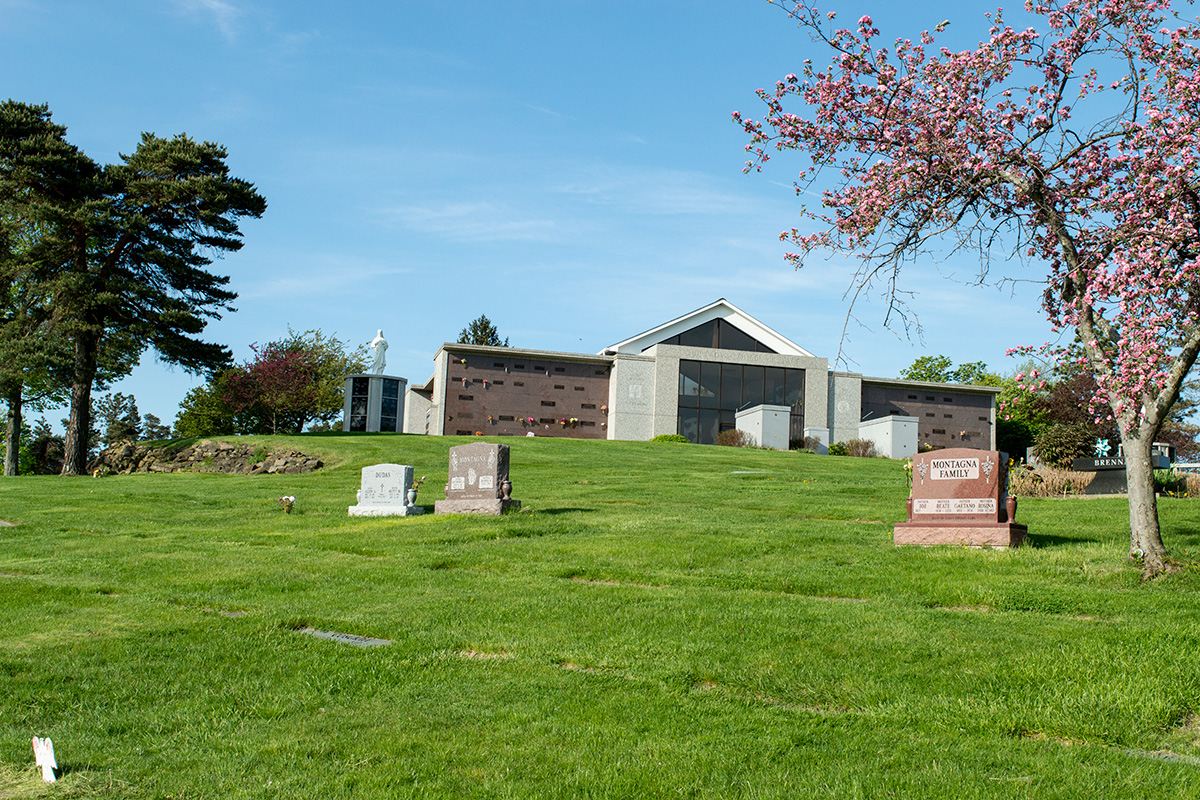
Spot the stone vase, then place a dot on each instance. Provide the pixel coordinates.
(412, 497)
(1010, 506)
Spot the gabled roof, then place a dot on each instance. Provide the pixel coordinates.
(719, 309)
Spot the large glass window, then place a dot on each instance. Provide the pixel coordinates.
(689, 383)
(711, 394)
(731, 386)
(773, 393)
(735, 339)
(710, 384)
(710, 426)
(358, 403)
(752, 386)
(718, 334)
(391, 402)
(700, 336)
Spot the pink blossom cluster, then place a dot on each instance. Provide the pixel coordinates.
(998, 144)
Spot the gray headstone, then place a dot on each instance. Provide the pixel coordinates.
(383, 492)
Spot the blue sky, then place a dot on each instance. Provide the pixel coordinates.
(569, 169)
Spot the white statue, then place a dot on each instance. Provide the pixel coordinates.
(379, 345)
(43, 755)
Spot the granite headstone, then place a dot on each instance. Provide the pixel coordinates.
(959, 496)
(384, 492)
(478, 482)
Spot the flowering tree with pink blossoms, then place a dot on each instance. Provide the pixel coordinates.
(1077, 146)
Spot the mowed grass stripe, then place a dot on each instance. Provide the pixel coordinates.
(662, 620)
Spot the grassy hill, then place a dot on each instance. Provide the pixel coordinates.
(660, 620)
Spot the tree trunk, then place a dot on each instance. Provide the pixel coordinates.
(1145, 540)
(79, 426)
(12, 433)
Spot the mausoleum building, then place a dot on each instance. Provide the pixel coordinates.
(692, 376)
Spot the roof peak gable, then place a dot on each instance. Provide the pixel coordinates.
(718, 309)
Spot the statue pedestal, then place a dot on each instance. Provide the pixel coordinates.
(374, 404)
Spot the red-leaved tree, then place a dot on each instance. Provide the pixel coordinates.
(279, 384)
(1077, 145)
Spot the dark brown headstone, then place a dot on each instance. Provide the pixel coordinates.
(959, 496)
(478, 481)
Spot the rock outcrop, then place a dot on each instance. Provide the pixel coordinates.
(203, 456)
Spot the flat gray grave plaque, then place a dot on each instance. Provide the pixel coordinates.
(346, 638)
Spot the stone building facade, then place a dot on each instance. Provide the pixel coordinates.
(689, 376)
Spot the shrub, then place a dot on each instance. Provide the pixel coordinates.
(1059, 443)
(1025, 481)
(858, 448)
(809, 444)
(1166, 480)
(670, 437)
(735, 438)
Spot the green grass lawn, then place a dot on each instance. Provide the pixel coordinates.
(659, 620)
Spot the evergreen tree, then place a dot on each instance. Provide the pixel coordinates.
(118, 419)
(153, 430)
(122, 250)
(481, 331)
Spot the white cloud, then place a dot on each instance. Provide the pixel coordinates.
(474, 222)
(653, 191)
(223, 14)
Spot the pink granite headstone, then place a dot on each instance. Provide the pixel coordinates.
(959, 496)
(478, 481)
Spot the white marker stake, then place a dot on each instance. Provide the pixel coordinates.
(43, 753)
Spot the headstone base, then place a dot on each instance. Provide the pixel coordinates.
(1002, 534)
(385, 511)
(477, 506)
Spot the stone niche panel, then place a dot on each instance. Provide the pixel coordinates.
(497, 395)
(943, 414)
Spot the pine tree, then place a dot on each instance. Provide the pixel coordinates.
(123, 250)
(481, 331)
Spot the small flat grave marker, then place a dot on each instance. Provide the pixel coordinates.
(386, 492)
(478, 482)
(346, 638)
(960, 496)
